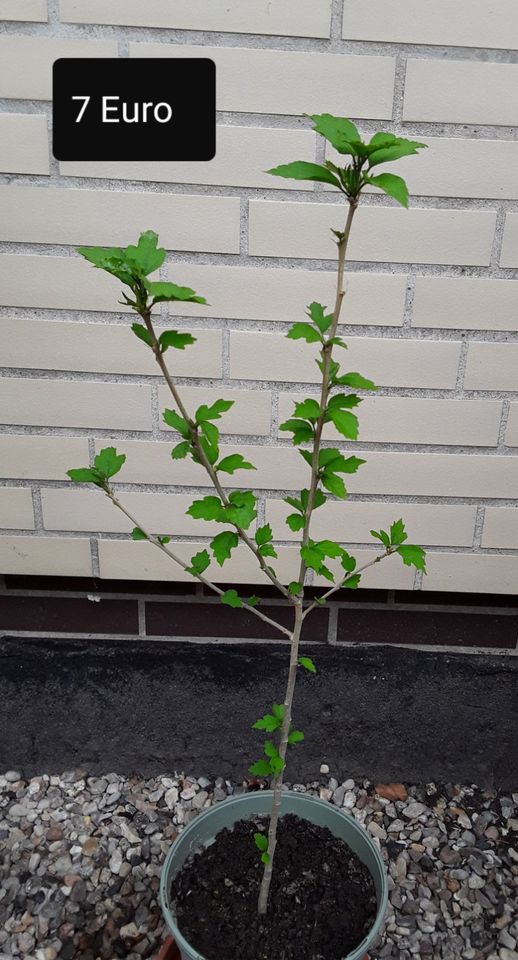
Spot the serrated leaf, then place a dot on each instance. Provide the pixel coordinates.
(263, 535)
(334, 484)
(308, 664)
(112, 260)
(352, 582)
(210, 431)
(302, 170)
(269, 723)
(231, 598)
(253, 601)
(295, 521)
(301, 430)
(261, 841)
(138, 534)
(343, 401)
(210, 508)
(163, 291)
(108, 462)
(242, 508)
(173, 338)
(393, 150)
(214, 411)
(346, 423)
(142, 333)
(293, 502)
(381, 535)
(329, 548)
(265, 858)
(393, 186)
(270, 749)
(304, 331)
(356, 381)
(223, 544)
(181, 450)
(146, 257)
(174, 420)
(317, 313)
(398, 533)
(210, 450)
(338, 130)
(199, 562)
(312, 557)
(85, 475)
(268, 550)
(277, 765)
(261, 768)
(413, 556)
(307, 409)
(234, 462)
(294, 588)
(348, 562)
(296, 736)
(278, 710)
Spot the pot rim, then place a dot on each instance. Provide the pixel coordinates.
(192, 828)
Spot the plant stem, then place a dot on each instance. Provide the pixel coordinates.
(338, 586)
(200, 452)
(185, 566)
(283, 747)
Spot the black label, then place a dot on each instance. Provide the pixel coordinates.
(134, 109)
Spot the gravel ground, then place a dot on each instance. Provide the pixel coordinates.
(81, 857)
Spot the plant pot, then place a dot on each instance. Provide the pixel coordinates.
(204, 828)
(169, 950)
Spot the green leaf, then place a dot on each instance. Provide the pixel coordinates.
(108, 462)
(293, 502)
(344, 401)
(352, 582)
(308, 664)
(301, 430)
(398, 533)
(164, 291)
(301, 170)
(164, 540)
(112, 260)
(210, 450)
(260, 769)
(317, 313)
(346, 423)
(138, 534)
(269, 723)
(338, 130)
(85, 475)
(413, 556)
(263, 535)
(199, 563)
(270, 749)
(348, 562)
(295, 522)
(304, 331)
(268, 550)
(334, 484)
(234, 462)
(356, 381)
(294, 588)
(278, 710)
(329, 548)
(261, 841)
(296, 736)
(172, 338)
(174, 420)
(393, 186)
(253, 601)
(146, 257)
(213, 412)
(265, 857)
(210, 508)
(231, 598)
(223, 544)
(277, 765)
(393, 150)
(383, 536)
(210, 431)
(142, 333)
(312, 557)
(181, 450)
(307, 410)
(241, 510)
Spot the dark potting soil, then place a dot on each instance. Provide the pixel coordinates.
(322, 897)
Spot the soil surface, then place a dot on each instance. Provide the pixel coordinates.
(322, 897)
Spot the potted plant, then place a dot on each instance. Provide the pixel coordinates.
(271, 874)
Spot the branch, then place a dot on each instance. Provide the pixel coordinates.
(185, 566)
(353, 573)
(200, 452)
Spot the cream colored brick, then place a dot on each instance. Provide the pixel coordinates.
(471, 573)
(466, 23)
(500, 528)
(466, 303)
(351, 522)
(26, 63)
(24, 143)
(400, 363)
(88, 510)
(16, 510)
(297, 18)
(511, 437)
(101, 217)
(142, 561)
(417, 420)
(263, 293)
(46, 556)
(384, 473)
(492, 366)
(101, 348)
(509, 255)
(294, 229)
(35, 10)
(390, 575)
(250, 415)
(60, 283)
(461, 91)
(243, 155)
(24, 457)
(64, 403)
(431, 174)
(286, 82)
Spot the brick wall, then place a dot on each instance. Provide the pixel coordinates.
(431, 310)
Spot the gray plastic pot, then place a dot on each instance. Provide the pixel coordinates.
(204, 828)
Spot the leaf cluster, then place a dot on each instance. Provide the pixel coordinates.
(106, 464)
(394, 542)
